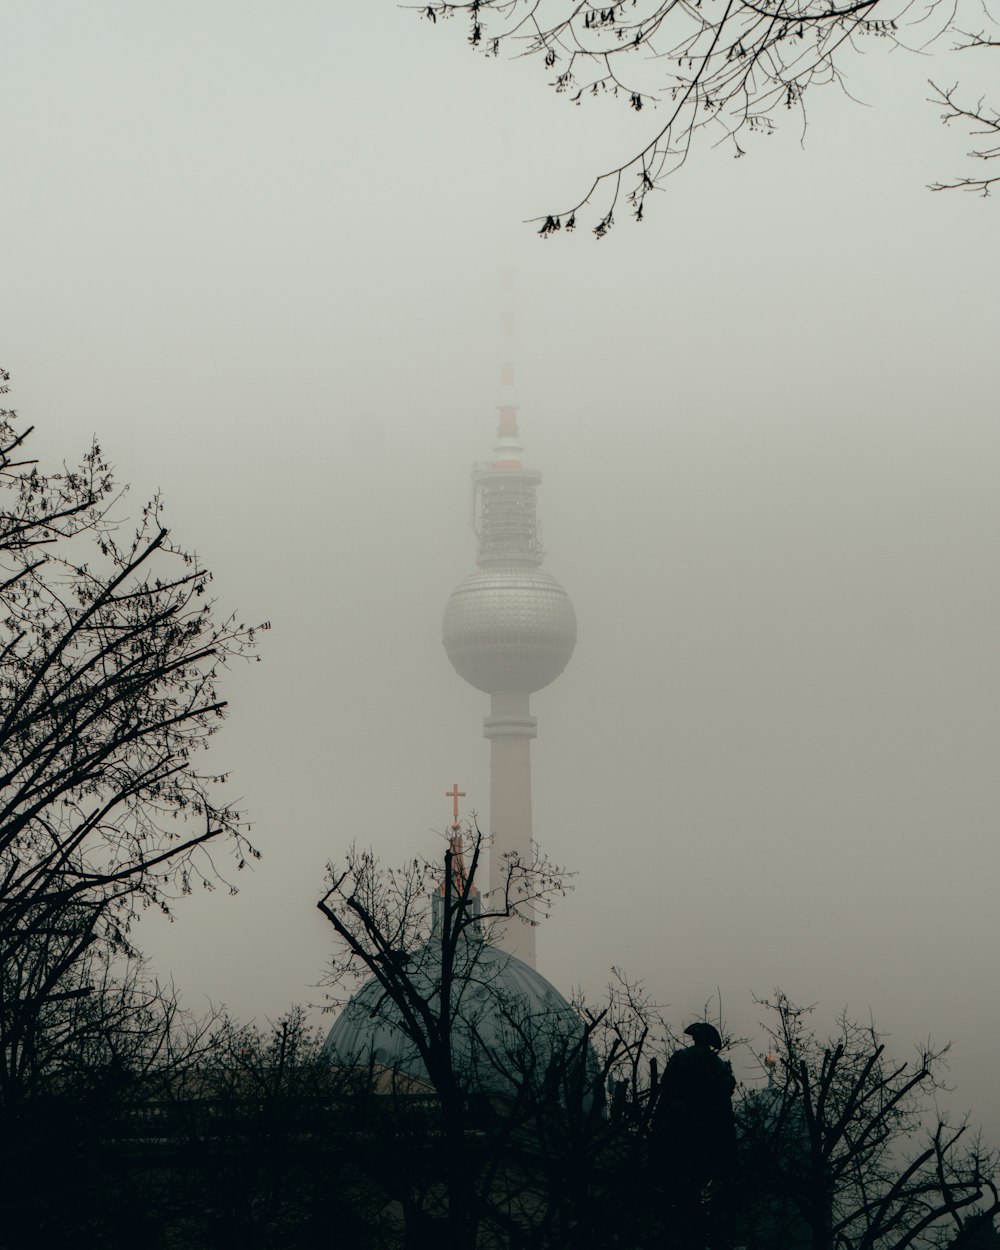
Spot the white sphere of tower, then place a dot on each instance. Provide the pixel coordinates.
(509, 627)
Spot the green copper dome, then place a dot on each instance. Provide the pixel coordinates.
(512, 1028)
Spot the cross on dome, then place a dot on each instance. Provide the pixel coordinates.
(454, 794)
(456, 851)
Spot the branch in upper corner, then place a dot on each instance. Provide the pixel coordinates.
(686, 70)
(980, 120)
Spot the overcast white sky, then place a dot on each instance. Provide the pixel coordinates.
(255, 249)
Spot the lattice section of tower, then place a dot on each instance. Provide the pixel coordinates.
(506, 518)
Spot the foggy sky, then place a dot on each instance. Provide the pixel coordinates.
(255, 249)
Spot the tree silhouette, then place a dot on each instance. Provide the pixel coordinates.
(844, 1149)
(725, 71)
(478, 1067)
(109, 659)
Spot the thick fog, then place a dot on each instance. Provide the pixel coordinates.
(255, 250)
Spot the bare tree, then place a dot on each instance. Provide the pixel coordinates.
(721, 70)
(110, 654)
(845, 1151)
(109, 658)
(464, 1040)
(78, 1015)
(979, 119)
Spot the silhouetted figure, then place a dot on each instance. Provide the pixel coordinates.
(694, 1139)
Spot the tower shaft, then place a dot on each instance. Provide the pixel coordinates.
(510, 728)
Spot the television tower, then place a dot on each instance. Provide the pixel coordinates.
(509, 629)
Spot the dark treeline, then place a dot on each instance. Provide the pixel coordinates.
(239, 1135)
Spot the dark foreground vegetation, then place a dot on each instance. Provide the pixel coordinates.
(251, 1138)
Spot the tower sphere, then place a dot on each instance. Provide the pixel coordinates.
(509, 627)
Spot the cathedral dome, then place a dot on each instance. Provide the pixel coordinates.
(511, 1026)
(509, 627)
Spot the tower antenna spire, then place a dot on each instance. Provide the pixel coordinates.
(508, 451)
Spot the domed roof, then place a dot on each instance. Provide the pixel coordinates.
(509, 1022)
(509, 627)
(772, 1117)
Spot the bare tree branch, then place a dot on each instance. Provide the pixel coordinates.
(725, 70)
